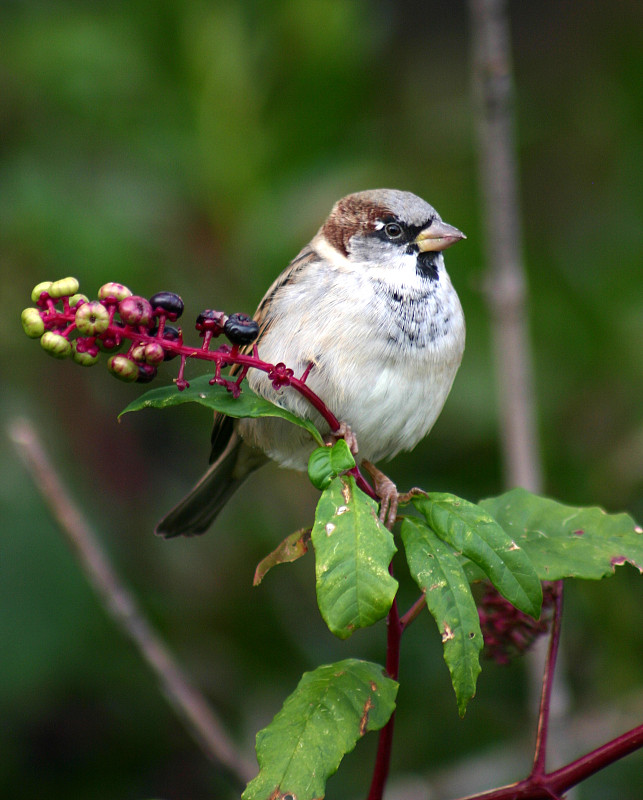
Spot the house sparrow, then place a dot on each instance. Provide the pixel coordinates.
(368, 303)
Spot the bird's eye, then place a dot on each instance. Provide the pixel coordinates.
(393, 230)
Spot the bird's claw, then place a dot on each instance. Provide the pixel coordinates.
(405, 498)
(343, 432)
(386, 490)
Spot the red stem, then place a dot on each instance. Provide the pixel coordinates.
(395, 629)
(55, 317)
(540, 754)
(555, 784)
(413, 612)
(385, 743)
(540, 785)
(564, 778)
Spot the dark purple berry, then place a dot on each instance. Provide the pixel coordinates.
(169, 302)
(210, 320)
(146, 373)
(241, 329)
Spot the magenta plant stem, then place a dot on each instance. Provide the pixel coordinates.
(553, 785)
(564, 778)
(385, 743)
(540, 754)
(413, 612)
(222, 356)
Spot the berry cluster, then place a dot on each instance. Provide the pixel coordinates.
(508, 632)
(69, 324)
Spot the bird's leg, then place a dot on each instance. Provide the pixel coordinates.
(343, 432)
(387, 492)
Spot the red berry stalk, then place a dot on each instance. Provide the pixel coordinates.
(136, 333)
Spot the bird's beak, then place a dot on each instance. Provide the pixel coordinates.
(438, 236)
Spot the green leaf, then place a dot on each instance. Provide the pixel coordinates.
(564, 541)
(294, 546)
(353, 551)
(472, 531)
(218, 398)
(439, 574)
(321, 721)
(326, 463)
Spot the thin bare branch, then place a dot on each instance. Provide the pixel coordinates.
(505, 282)
(190, 705)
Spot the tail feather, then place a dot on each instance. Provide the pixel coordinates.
(198, 510)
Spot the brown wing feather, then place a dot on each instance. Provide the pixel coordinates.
(223, 426)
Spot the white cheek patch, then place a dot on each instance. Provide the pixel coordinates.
(329, 254)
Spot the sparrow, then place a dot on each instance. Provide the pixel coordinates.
(368, 309)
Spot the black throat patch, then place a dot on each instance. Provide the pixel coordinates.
(427, 265)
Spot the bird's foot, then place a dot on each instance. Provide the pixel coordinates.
(386, 490)
(405, 498)
(343, 432)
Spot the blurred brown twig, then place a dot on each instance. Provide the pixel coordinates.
(505, 282)
(190, 705)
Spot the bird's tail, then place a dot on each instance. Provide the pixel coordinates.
(198, 510)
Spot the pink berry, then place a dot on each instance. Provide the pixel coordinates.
(135, 311)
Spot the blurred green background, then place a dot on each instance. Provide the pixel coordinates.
(195, 146)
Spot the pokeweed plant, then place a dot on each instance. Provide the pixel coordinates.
(518, 546)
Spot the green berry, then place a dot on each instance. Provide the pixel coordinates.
(63, 288)
(55, 344)
(113, 291)
(92, 318)
(138, 353)
(76, 299)
(123, 368)
(86, 358)
(40, 288)
(32, 323)
(146, 373)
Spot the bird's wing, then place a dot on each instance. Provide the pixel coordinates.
(222, 429)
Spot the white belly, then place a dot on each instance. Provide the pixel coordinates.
(383, 366)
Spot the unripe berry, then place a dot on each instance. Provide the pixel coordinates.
(123, 368)
(63, 288)
(241, 329)
(92, 318)
(169, 302)
(135, 311)
(77, 299)
(85, 357)
(113, 291)
(171, 334)
(138, 353)
(55, 344)
(32, 323)
(154, 353)
(39, 289)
